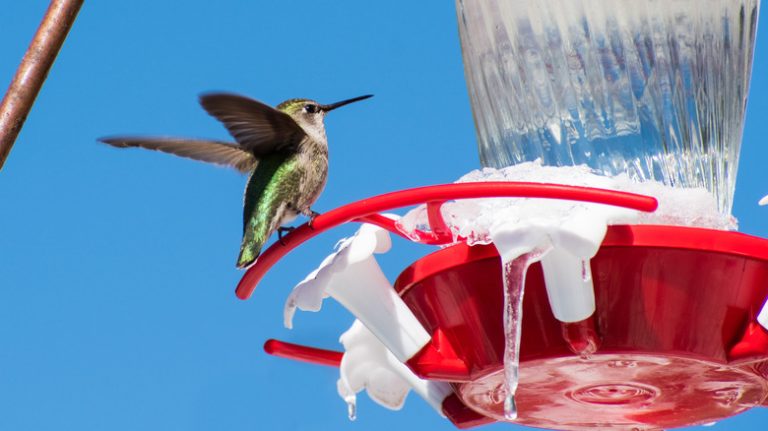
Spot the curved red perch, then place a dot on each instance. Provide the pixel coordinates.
(366, 210)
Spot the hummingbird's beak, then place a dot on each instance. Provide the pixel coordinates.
(333, 106)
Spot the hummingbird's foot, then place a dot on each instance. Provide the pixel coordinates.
(312, 216)
(281, 230)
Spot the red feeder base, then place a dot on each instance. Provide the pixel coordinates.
(674, 341)
(671, 304)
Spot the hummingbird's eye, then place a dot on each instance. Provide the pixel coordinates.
(311, 108)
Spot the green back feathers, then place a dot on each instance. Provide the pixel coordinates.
(263, 199)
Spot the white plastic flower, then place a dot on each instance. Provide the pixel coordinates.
(308, 295)
(368, 365)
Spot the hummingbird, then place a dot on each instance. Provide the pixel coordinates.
(284, 149)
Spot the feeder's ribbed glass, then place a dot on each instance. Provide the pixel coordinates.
(652, 88)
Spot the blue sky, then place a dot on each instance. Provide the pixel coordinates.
(117, 267)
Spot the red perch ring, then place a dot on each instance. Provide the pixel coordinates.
(367, 210)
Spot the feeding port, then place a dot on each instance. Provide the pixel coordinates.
(590, 276)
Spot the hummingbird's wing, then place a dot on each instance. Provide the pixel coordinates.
(220, 153)
(259, 129)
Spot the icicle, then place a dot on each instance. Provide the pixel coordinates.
(514, 290)
(349, 396)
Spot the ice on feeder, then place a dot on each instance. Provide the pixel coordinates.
(513, 273)
(473, 219)
(368, 365)
(564, 240)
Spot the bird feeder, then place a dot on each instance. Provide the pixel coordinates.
(659, 325)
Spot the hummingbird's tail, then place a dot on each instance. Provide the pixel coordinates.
(247, 256)
(257, 231)
(259, 227)
(253, 241)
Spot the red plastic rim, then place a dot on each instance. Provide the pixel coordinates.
(659, 236)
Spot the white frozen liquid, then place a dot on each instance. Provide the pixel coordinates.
(472, 219)
(655, 89)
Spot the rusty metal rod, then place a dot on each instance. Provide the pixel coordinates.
(33, 70)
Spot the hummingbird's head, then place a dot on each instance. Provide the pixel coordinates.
(309, 114)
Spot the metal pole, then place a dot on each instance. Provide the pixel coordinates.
(33, 70)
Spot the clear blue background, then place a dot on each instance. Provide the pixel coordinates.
(117, 271)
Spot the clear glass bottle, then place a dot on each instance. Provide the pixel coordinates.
(655, 89)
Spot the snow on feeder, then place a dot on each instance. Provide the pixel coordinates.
(590, 276)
